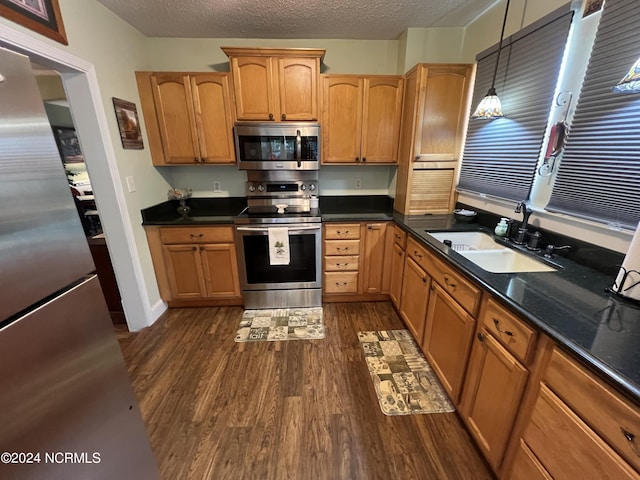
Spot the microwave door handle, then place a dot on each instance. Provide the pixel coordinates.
(299, 148)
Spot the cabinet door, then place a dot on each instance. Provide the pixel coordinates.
(214, 118)
(375, 251)
(382, 109)
(253, 86)
(447, 340)
(490, 418)
(342, 118)
(176, 118)
(442, 116)
(397, 269)
(184, 270)
(220, 270)
(414, 299)
(298, 88)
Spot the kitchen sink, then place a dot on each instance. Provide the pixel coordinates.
(484, 251)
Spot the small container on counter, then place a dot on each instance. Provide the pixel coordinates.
(502, 227)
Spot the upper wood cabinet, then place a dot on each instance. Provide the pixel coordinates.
(434, 119)
(275, 84)
(188, 117)
(361, 118)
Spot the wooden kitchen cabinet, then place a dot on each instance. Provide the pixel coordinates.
(447, 340)
(414, 298)
(275, 84)
(435, 112)
(488, 416)
(195, 265)
(188, 117)
(397, 265)
(361, 118)
(378, 241)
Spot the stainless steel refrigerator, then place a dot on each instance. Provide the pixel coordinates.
(67, 408)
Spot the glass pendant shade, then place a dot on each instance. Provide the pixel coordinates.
(489, 107)
(631, 82)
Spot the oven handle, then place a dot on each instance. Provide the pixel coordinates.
(299, 148)
(263, 229)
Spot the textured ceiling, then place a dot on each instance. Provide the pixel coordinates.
(349, 19)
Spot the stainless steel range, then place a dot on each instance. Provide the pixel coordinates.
(279, 238)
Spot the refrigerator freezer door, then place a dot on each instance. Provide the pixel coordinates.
(65, 394)
(42, 245)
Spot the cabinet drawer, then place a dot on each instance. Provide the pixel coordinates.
(197, 235)
(604, 410)
(419, 254)
(513, 333)
(342, 247)
(341, 263)
(342, 231)
(566, 447)
(400, 237)
(341, 282)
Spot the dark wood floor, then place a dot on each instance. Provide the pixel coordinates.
(282, 410)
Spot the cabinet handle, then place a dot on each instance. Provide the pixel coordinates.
(375, 226)
(195, 236)
(496, 322)
(202, 159)
(364, 159)
(424, 279)
(342, 265)
(631, 438)
(357, 159)
(194, 248)
(417, 158)
(196, 159)
(416, 254)
(448, 283)
(481, 336)
(398, 237)
(344, 234)
(341, 249)
(399, 254)
(271, 116)
(283, 116)
(343, 284)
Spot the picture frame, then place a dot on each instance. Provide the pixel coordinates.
(41, 16)
(591, 6)
(68, 144)
(128, 124)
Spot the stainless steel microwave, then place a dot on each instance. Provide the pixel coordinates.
(277, 146)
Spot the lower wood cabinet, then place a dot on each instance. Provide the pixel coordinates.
(447, 340)
(195, 264)
(397, 272)
(414, 298)
(493, 390)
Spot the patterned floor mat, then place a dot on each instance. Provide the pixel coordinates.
(281, 324)
(404, 381)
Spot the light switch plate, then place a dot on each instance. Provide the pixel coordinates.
(217, 187)
(131, 184)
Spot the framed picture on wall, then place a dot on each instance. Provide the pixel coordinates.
(42, 16)
(68, 144)
(592, 6)
(128, 124)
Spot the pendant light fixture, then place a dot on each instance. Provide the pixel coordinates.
(631, 81)
(490, 106)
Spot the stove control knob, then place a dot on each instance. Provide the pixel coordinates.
(303, 187)
(261, 188)
(252, 188)
(312, 186)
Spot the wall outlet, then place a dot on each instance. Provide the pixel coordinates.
(131, 184)
(358, 182)
(217, 187)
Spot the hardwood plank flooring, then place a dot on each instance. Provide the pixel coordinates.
(216, 409)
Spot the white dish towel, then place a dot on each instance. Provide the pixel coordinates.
(279, 246)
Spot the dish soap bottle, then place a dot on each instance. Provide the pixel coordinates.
(501, 227)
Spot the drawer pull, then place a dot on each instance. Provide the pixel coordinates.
(631, 438)
(342, 265)
(344, 234)
(195, 236)
(194, 248)
(399, 254)
(398, 237)
(341, 284)
(481, 336)
(416, 254)
(496, 322)
(449, 283)
(424, 279)
(342, 249)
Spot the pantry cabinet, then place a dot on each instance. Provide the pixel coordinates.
(188, 117)
(275, 84)
(435, 112)
(361, 118)
(195, 265)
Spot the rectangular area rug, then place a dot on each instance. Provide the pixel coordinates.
(281, 324)
(403, 380)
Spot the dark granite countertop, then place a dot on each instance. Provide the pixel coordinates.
(570, 305)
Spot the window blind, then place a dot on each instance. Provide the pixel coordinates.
(599, 173)
(500, 155)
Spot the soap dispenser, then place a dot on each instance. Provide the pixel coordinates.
(502, 227)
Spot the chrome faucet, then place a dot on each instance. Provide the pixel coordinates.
(522, 207)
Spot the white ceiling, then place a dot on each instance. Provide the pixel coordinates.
(347, 19)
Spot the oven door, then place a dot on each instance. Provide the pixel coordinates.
(303, 270)
(277, 147)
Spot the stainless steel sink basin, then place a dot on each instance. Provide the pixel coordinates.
(489, 255)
